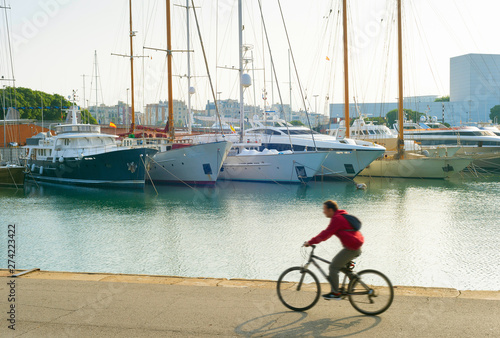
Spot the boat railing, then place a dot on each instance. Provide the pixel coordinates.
(11, 155)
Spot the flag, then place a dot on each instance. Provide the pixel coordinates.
(112, 125)
(232, 129)
(327, 58)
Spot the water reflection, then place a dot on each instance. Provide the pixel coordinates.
(419, 232)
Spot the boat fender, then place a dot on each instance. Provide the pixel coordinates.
(41, 170)
(33, 167)
(361, 186)
(61, 159)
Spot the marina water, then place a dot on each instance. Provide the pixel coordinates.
(418, 232)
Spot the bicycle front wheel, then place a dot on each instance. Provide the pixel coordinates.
(298, 289)
(371, 293)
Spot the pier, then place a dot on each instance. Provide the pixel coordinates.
(66, 304)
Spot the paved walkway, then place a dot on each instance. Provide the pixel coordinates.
(52, 304)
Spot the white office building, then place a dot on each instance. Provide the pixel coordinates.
(474, 90)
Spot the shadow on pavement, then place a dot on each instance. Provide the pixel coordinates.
(289, 324)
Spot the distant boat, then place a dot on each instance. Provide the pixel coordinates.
(416, 166)
(11, 175)
(435, 162)
(482, 145)
(80, 155)
(272, 166)
(251, 161)
(186, 162)
(176, 161)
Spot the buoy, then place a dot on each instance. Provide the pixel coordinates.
(361, 186)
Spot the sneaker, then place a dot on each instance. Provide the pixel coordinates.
(332, 295)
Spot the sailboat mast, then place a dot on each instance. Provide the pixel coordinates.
(132, 125)
(4, 119)
(290, 83)
(188, 69)
(169, 69)
(400, 81)
(240, 37)
(96, 97)
(346, 71)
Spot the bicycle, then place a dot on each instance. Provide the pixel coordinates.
(369, 291)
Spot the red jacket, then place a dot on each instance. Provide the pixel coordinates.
(351, 240)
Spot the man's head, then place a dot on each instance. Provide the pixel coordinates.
(329, 208)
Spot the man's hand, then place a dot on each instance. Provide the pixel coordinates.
(306, 244)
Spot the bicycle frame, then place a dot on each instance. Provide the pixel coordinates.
(347, 273)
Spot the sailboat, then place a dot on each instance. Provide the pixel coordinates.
(402, 163)
(176, 161)
(245, 164)
(11, 173)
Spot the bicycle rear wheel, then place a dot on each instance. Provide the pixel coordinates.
(298, 289)
(371, 293)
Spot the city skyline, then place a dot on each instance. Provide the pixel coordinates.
(59, 34)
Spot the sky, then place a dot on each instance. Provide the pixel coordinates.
(53, 44)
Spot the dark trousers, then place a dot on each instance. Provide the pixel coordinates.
(338, 263)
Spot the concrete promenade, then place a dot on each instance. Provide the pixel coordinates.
(62, 304)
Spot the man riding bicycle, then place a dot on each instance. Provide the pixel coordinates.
(351, 240)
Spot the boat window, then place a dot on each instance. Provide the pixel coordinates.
(272, 132)
(298, 131)
(377, 131)
(371, 132)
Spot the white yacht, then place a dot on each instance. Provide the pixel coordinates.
(346, 159)
(79, 154)
(482, 145)
(185, 162)
(246, 163)
(376, 133)
(433, 162)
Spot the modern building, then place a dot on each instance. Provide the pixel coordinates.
(475, 84)
(157, 113)
(424, 104)
(474, 90)
(231, 109)
(120, 113)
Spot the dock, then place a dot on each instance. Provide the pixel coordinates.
(66, 304)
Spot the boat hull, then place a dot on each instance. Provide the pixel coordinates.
(341, 165)
(11, 176)
(122, 168)
(485, 158)
(196, 164)
(429, 167)
(275, 168)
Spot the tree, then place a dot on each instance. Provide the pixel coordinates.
(495, 113)
(29, 103)
(377, 120)
(87, 117)
(296, 123)
(392, 116)
(442, 99)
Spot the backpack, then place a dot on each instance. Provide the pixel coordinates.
(353, 221)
